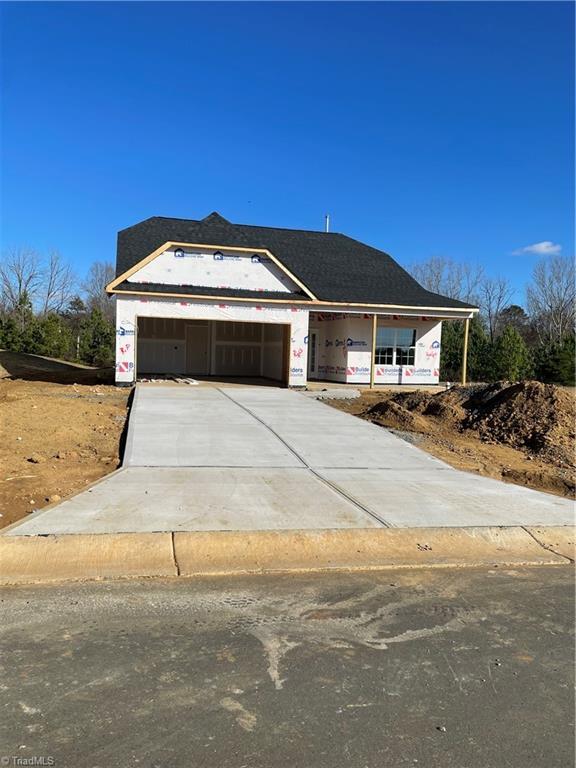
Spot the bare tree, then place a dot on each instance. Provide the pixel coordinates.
(98, 277)
(449, 278)
(20, 276)
(57, 285)
(551, 298)
(495, 294)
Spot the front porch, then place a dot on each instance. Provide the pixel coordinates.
(376, 350)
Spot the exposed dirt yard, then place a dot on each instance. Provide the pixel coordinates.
(521, 433)
(57, 435)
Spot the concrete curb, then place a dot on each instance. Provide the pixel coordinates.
(558, 539)
(32, 559)
(28, 559)
(346, 549)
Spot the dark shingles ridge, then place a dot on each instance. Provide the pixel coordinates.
(334, 267)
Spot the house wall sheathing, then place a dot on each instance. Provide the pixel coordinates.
(129, 310)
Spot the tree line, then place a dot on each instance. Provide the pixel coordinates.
(45, 309)
(508, 341)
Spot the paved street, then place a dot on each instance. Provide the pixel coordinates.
(443, 668)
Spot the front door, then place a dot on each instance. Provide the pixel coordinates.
(197, 349)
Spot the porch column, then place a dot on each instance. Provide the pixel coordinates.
(465, 350)
(373, 351)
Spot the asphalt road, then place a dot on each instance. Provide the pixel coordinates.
(436, 668)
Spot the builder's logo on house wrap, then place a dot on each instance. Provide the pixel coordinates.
(417, 371)
(357, 370)
(350, 343)
(122, 331)
(180, 254)
(219, 256)
(256, 259)
(124, 367)
(390, 370)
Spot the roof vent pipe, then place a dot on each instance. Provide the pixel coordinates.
(327, 223)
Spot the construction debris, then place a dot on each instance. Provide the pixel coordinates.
(160, 378)
(333, 394)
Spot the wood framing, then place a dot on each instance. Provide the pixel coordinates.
(286, 355)
(373, 356)
(465, 351)
(312, 305)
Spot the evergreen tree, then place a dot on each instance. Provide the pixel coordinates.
(511, 358)
(9, 333)
(451, 350)
(555, 363)
(52, 337)
(74, 315)
(453, 347)
(24, 336)
(97, 336)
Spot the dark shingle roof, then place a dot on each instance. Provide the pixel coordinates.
(202, 290)
(333, 266)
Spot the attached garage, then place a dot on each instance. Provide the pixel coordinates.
(212, 348)
(212, 298)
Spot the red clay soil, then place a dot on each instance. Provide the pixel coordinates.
(56, 437)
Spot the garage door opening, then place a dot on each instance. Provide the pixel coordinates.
(212, 349)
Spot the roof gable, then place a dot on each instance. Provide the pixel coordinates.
(214, 268)
(333, 267)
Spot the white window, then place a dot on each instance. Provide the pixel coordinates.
(395, 346)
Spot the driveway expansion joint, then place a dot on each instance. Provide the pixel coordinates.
(334, 486)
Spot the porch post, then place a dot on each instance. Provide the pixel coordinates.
(373, 353)
(465, 350)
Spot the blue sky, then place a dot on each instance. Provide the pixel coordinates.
(423, 128)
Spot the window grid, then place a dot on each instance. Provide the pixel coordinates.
(395, 346)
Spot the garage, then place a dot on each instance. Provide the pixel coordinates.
(219, 348)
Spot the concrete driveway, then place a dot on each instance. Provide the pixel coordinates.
(252, 458)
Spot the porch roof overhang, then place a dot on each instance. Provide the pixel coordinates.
(234, 295)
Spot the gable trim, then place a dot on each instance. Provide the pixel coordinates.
(464, 311)
(171, 244)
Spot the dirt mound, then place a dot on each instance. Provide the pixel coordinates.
(393, 414)
(520, 433)
(413, 407)
(530, 416)
(536, 417)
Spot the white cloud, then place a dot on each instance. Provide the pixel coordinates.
(545, 248)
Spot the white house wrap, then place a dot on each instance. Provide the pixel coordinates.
(211, 298)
